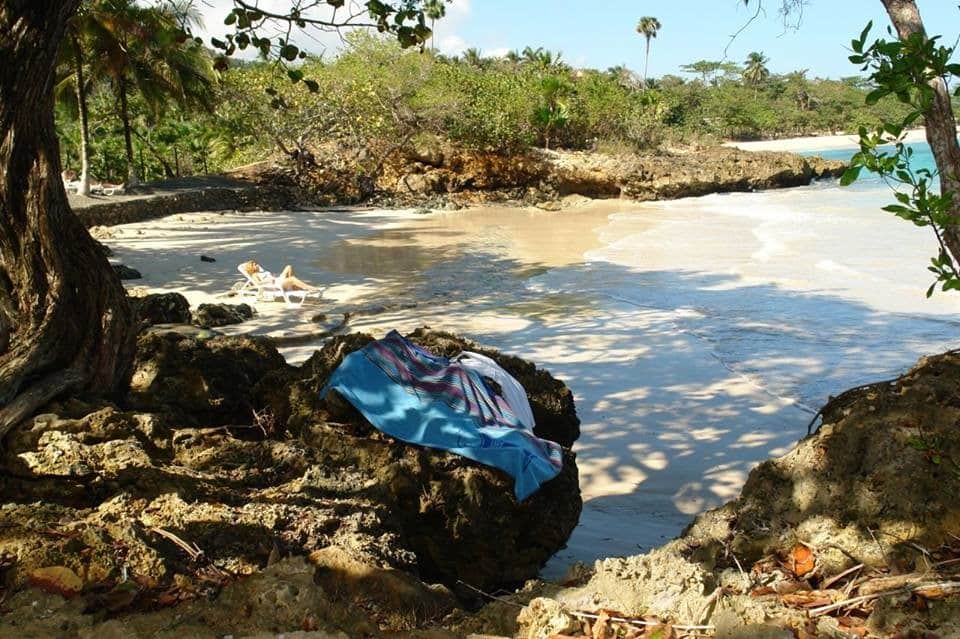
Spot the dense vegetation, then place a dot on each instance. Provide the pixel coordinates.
(376, 96)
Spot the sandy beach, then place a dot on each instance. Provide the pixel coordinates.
(816, 143)
(690, 361)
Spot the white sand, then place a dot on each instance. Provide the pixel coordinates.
(816, 143)
(680, 386)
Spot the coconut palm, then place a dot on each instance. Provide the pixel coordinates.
(73, 87)
(543, 59)
(648, 27)
(145, 49)
(434, 9)
(472, 57)
(755, 71)
(553, 111)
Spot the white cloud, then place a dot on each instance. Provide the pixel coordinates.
(452, 45)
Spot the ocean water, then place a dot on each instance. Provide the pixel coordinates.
(806, 291)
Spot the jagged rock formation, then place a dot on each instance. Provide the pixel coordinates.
(876, 486)
(223, 458)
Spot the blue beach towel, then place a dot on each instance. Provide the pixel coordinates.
(421, 398)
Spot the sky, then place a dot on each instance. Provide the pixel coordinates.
(602, 33)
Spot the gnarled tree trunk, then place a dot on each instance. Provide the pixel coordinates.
(941, 124)
(65, 324)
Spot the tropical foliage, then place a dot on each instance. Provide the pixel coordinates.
(376, 95)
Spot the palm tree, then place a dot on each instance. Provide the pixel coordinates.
(434, 9)
(472, 57)
(553, 112)
(543, 59)
(144, 48)
(74, 86)
(648, 27)
(755, 71)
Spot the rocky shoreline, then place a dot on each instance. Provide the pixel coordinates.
(238, 503)
(444, 177)
(222, 461)
(221, 496)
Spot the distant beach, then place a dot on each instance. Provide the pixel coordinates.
(816, 143)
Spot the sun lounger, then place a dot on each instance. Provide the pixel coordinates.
(264, 288)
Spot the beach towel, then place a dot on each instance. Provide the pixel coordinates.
(421, 398)
(513, 391)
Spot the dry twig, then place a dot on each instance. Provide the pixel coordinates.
(944, 586)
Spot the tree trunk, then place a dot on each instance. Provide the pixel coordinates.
(940, 123)
(132, 179)
(65, 324)
(646, 63)
(84, 188)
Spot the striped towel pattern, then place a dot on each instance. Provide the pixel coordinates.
(421, 398)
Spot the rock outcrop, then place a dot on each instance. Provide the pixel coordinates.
(866, 506)
(468, 177)
(216, 315)
(161, 308)
(223, 459)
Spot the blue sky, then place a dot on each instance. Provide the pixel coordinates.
(602, 33)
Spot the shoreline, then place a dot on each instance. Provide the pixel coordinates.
(813, 143)
(669, 429)
(549, 180)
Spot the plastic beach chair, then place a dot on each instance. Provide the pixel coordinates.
(265, 289)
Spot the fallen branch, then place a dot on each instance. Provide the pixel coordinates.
(191, 549)
(942, 587)
(640, 623)
(195, 552)
(832, 580)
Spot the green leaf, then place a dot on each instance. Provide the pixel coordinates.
(295, 74)
(850, 175)
(312, 85)
(289, 52)
(896, 208)
(231, 18)
(874, 96)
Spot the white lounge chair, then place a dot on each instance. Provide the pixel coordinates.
(265, 289)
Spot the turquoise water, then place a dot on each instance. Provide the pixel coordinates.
(922, 159)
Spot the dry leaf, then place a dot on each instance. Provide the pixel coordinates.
(801, 560)
(600, 625)
(934, 592)
(860, 631)
(810, 599)
(56, 579)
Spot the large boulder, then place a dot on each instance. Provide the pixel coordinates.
(208, 382)
(216, 315)
(161, 308)
(462, 519)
